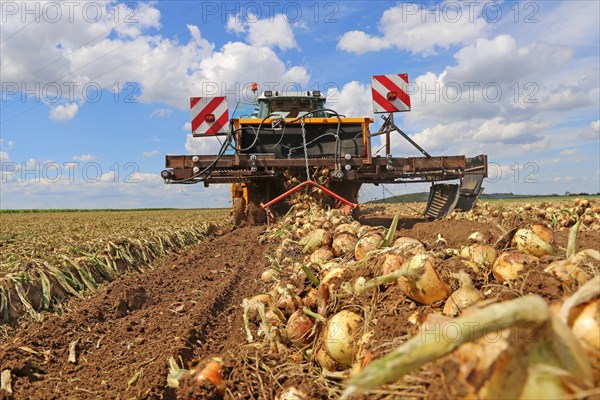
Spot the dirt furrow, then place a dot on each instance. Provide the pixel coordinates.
(126, 332)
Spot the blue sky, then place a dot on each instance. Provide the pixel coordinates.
(94, 94)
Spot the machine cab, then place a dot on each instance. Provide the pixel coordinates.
(290, 104)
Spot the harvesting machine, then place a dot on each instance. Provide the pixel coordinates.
(291, 141)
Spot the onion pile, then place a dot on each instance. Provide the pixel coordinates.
(327, 273)
(549, 214)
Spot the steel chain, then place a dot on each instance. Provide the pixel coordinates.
(305, 149)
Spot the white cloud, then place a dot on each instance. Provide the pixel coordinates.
(353, 99)
(501, 60)
(551, 26)
(141, 189)
(359, 42)
(4, 154)
(202, 145)
(593, 131)
(569, 152)
(166, 70)
(496, 136)
(407, 27)
(272, 32)
(495, 77)
(64, 112)
(500, 130)
(136, 19)
(161, 113)
(235, 24)
(187, 127)
(84, 157)
(150, 153)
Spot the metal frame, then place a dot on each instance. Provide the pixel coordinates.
(349, 206)
(233, 168)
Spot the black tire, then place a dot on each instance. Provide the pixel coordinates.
(356, 214)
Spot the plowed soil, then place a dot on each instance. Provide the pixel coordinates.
(189, 308)
(126, 332)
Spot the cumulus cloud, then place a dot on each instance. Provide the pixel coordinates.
(140, 189)
(493, 76)
(550, 27)
(353, 99)
(500, 130)
(64, 112)
(272, 32)
(502, 60)
(235, 24)
(592, 131)
(166, 70)
(5, 145)
(202, 145)
(476, 136)
(407, 26)
(187, 126)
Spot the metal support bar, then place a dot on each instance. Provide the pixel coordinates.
(349, 205)
(388, 126)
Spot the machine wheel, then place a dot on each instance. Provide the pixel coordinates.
(239, 211)
(356, 214)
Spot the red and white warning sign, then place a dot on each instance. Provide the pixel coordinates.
(210, 115)
(390, 93)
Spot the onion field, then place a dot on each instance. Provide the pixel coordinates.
(46, 257)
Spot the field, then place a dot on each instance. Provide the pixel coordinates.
(316, 306)
(46, 256)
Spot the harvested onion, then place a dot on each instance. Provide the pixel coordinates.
(391, 262)
(212, 373)
(315, 239)
(479, 253)
(462, 298)
(345, 229)
(408, 246)
(367, 243)
(299, 328)
(508, 265)
(322, 254)
(344, 244)
(586, 326)
(339, 336)
(422, 283)
(269, 275)
(536, 241)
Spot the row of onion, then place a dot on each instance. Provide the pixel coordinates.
(322, 260)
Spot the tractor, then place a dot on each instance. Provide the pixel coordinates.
(293, 142)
